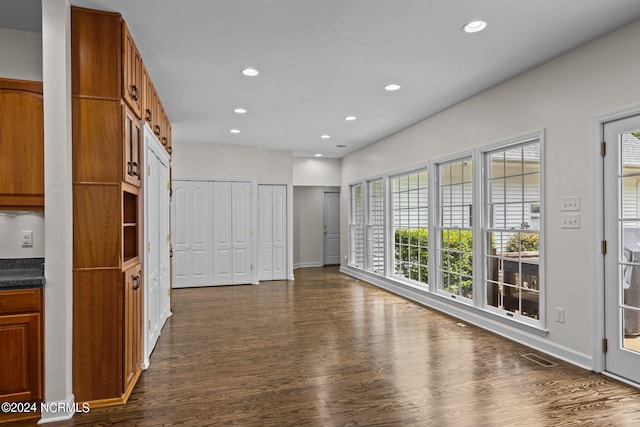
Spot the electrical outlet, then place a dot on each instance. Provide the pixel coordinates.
(570, 204)
(570, 220)
(559, 315)
(27, 239)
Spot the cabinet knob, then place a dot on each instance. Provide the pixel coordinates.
(136, 170)
(136, 283)
(169, 150)
(156, 130)
(134, 92)
(164, 141)
(148, 116)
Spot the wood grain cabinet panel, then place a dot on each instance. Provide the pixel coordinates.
(132, 87)
(96, 226)
(132, 138)
(97, 334)
(97, 133)
(21, 145)
(96, 43)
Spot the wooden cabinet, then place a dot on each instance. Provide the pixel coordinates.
(132, 133)
(132, 87)
(132, 362)
(20, 345)
(21, 145)
(107, 138)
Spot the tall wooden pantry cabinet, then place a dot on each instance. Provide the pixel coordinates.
(109, 98)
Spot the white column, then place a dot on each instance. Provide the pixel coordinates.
(58, 291)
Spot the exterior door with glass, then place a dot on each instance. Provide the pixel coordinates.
(622, 259)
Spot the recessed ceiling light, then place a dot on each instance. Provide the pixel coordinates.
(318, 155)
(392, 87)
(235, 131)
(474, 26)
(325, 136)
(240, 110)
(250, 72)
(350, 118)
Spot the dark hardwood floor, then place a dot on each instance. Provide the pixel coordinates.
(330, 350)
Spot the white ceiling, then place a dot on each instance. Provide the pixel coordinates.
(321, 60)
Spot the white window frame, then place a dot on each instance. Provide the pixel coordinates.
(428, 225)
(484, 154)
(437, 227)
(352, 225)
(369, 227)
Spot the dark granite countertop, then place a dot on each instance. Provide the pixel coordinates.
(21, 273)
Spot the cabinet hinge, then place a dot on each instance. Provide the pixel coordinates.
(603, 148)
(148, 247)
(605, 345)
(148, 170)
(251, 267)
(603, 247)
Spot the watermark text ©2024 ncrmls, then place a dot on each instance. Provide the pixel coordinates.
(50, 407)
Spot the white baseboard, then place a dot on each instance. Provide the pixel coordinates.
(307, 265)
(523, 334)
(59, 411)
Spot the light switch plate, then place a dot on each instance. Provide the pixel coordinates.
(570, 220)
(27, 239)
(570, 204)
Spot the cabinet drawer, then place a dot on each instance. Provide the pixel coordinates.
(20, 301)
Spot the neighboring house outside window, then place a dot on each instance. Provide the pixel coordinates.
(512, 229)
(410, 226)
(455, 234)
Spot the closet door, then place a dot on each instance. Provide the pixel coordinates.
(151, 254)
(192, 234)
(279, 227)
(265, 212)
(273, 231)
(164, 237)
(241, 238)
(222, 230)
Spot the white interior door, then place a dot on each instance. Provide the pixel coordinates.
(152, 267)
(279, 232)
(164, 242)
(192, 234)
(222, 243)
(156, 257)
(241, 236)
(265, 214)
(331, 228)
(622, 260)
(273, 231)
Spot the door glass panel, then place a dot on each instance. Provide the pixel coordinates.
(629, 251)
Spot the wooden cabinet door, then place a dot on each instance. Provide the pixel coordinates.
(132, 360)
(132, 136)
(20, 358)
(148, 99)
(21, 145)
(132, 89)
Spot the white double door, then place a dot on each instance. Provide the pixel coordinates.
(273, 232)
(211, 233)
(156, 251)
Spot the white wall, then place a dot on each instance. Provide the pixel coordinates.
(11, 226)
(230, 162)
(308, 225)
(316, 171)
(563, 97)
(21, 53)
